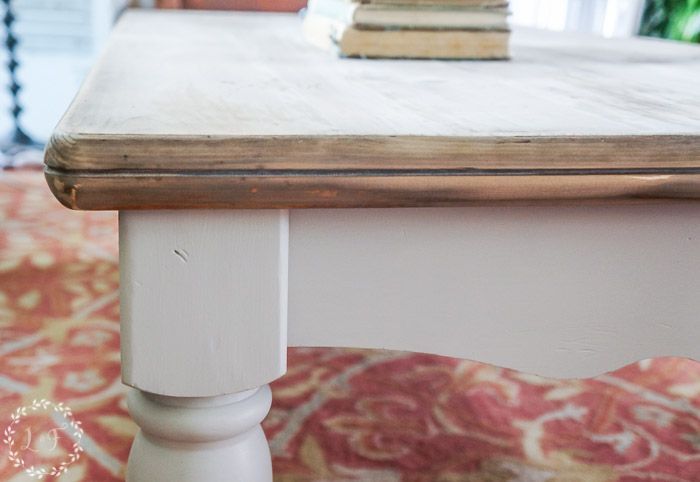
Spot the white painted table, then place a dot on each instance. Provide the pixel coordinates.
(539, 214)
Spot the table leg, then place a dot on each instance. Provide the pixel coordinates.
(213, 439)
(203, 323)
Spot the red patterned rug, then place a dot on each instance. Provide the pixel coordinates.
(338, 415)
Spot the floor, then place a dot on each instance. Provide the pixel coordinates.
(338, 415)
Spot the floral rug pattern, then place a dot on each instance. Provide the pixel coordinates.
(338, 414)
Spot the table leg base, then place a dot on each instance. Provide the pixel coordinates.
(213, 439)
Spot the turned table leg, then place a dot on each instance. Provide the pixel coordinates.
(213, 439)
(203, 313)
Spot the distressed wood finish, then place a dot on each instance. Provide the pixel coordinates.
(333, 191)
(219, 108)
(201, 110)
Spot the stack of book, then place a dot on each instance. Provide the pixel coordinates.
(435, 29)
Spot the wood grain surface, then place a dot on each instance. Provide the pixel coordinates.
(194, 109)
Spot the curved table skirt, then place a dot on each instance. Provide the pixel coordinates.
(559, 291)
(568, 291)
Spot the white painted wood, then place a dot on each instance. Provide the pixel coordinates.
(565, 291)
(562, 291)
(203, 300)
(212, 439)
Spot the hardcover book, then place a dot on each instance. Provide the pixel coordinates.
(351, 41)
(376, 15)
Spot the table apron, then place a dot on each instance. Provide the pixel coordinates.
(561, 291)
(212, 298)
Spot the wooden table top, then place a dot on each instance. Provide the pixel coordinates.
(235, 110)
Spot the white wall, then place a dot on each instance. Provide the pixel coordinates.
(611, 18)
(59, 40)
